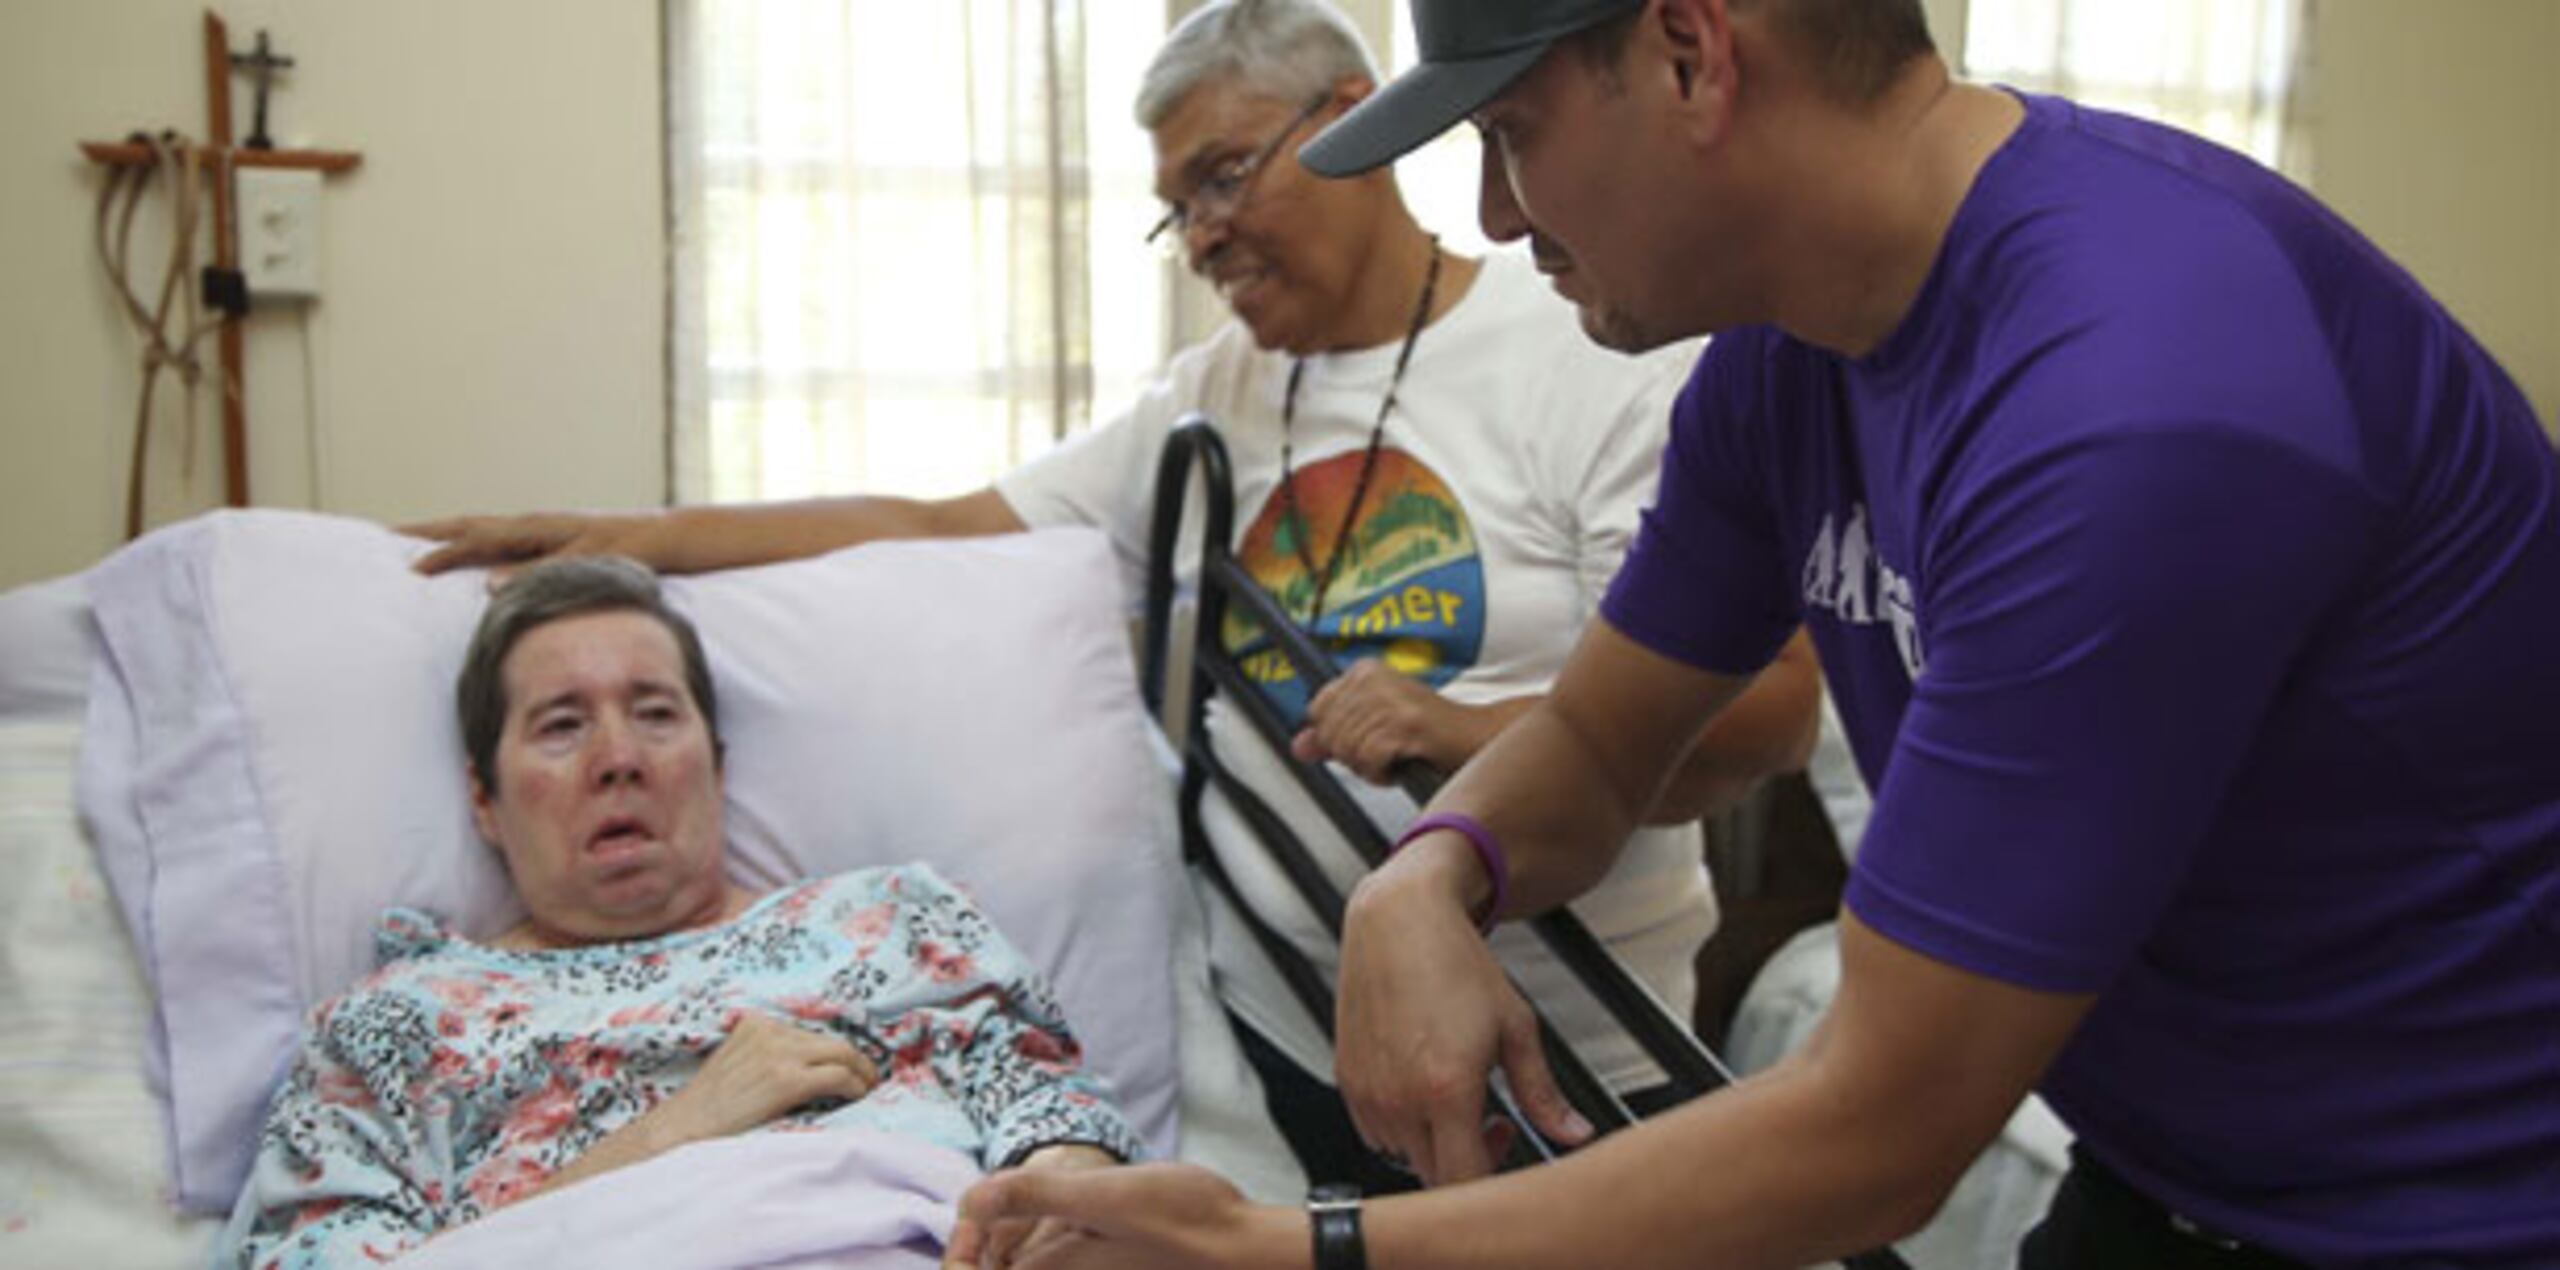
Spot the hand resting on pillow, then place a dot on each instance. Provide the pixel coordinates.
(645, 1002)
(701, 539)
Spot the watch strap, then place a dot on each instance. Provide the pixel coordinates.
(1334, 1213)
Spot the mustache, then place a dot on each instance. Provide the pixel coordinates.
(1546, 255)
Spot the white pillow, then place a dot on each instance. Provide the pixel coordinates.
(273, 760)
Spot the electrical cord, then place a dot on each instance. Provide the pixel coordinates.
(183, 163)
(313, 437)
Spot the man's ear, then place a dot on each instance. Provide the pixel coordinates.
(1351, 90)
(1697, 38)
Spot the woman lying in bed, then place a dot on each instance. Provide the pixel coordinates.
(644, 1002)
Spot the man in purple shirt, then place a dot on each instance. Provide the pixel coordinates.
(2190, 582)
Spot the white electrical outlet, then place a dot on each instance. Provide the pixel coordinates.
(280, 232)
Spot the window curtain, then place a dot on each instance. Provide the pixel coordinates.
(2227, 70)
(881, 215)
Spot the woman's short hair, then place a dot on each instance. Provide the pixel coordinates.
(549, 592)
(1288, 50)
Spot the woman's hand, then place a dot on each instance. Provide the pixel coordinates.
(766, 1067)
(519, 540)
(1009, 1240)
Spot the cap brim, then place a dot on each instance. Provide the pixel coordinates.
(1416, 106)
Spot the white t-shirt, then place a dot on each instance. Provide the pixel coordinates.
(1506, 488)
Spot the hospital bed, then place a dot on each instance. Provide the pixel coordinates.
(225, 747)
(297, 659)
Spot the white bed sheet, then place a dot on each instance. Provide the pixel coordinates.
(83, 1159)
(854, 1200)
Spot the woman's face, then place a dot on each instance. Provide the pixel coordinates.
(1287, 261)
(607, 800)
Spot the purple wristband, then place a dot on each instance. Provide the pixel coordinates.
(1488, 852)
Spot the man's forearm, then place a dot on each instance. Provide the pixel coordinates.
(1775, 1172)
(1560, 828)
(1769, 730)
(699, 539)
(1564, 784)
(1849, 1143)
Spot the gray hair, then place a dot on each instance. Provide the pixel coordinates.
(1289, 50)
(549, 592)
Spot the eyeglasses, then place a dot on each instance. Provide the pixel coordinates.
(1222, 193)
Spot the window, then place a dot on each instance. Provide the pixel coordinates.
(2221, 69)
(905, 238)
(1439, 178)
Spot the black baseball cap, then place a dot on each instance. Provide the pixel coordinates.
(1471, 50)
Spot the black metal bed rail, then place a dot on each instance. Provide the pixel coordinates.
(1586, 1091)
(1691, 1069)
(1581, 1088)
(1690, 1066)
(1194, 445)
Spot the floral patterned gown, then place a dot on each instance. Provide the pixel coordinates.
(458, 1077)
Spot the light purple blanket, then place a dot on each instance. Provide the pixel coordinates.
(840, 1198)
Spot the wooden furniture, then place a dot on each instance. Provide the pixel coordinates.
(1777, 870)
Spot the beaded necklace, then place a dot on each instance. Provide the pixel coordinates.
(1301, 539)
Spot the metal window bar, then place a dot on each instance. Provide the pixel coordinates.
(1194, 444)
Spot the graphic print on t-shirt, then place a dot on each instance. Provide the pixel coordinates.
(1409, 587)
(1846, 577)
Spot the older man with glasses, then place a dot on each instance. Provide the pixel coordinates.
(1224, 187)
(1439, 474)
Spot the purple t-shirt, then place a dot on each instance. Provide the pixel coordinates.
(2190, 585)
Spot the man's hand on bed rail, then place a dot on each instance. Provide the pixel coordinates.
(1371, 718)
(1412, 1064)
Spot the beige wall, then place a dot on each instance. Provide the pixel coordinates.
(1946, 25)
(490, 333)
(2436, 129)
(490, 327)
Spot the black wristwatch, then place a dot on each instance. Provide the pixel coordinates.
(1334, 1211)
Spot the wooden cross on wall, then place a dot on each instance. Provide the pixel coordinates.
(262, 64)
(221, 157)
